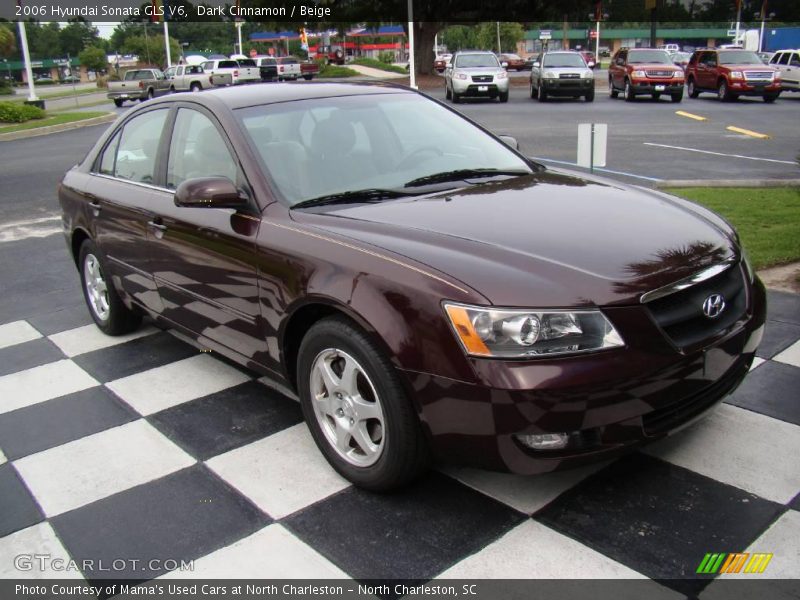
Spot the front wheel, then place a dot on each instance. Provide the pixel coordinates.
(118, 103)
(455, 97)
(532, 89)
(677, 97)
(105, 305)
(724, 92)
(612, 91)
(308, 77)
(541, 94)
(691, 88)
(589, 97)
(447, 95)
(503, 96)
(628, 93)
(770, 98)
(357, 409)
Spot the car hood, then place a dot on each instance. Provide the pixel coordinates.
(749, 67)
(655, 66)
(546, 239)
(479, 70)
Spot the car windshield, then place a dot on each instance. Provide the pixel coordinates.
(643, 57)
(739, 57)
(466, 61)
(228, 64)
(323, 147)
(555, 61)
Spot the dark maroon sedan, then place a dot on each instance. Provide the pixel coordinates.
(426, 289)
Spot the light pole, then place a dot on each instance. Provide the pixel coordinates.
(764, 18)
(598, 16)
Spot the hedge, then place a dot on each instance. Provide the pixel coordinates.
(11, 112)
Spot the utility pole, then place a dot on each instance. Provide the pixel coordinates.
(23, 38)
(412, 67)
(499, 49)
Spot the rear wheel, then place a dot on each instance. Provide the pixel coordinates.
(692, 89)
(195, 87)
(357, 409)
(118, 103)
(105, 305)
(172, 89)
(308, 77)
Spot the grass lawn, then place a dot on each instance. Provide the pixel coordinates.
(22, 94)
(336, 71)
(767, 219)
(57, 119)
(376, 64)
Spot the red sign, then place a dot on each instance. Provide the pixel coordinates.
(593, 34)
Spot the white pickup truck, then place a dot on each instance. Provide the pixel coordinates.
(193, 78)
(244, 71)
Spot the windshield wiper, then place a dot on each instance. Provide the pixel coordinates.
(353, 197)
(460, 174)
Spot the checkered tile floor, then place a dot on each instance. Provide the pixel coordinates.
(142, 447)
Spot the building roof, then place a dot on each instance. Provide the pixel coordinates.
(620, 33)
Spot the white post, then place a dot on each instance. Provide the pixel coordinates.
(412, 68)
(166, 44)
(499, 49)
(239, 36)
(23, 38)
(761, 35)
(738, 20)
(597, 44)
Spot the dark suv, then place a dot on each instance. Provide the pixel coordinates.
(639, 71)
(731, 73)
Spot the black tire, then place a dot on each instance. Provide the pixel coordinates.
(770, 98)
(589, 97)
(456, 98)
(120, 319)
(447, 95)
(308, 77)
(195, 87)
(612, 91)
(172, 89)
(677, 97)
(503, 97)
(656, 95)
(629, 95)
(404, 454)
(541, 93)
(532, 89)
(724, 92)
(118, 102)
(691, 88)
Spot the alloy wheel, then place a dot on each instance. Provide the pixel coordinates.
(96, 287)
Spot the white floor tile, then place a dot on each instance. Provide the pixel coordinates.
(2, 457)
(32, 386)
(88, 338)
(740, 448)
(525, 493)
(271, 553)
(757, 362)
(790, 356)
(17, 552)
(99, 465)
(782, 541)
(154, 390)
(533, 551)
(281, 473)
(17, 332)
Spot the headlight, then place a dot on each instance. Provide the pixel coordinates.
(501, 75)
(677, 75)
(549, 75)
(519, 333)
(461, 75)
(736, 75)
(640, 74)
(748, 266)
(587, 74)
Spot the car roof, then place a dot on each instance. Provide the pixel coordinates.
(241, 96)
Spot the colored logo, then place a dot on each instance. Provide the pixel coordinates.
(713, 306)
(734, 562)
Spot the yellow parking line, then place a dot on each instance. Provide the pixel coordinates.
(683, 113)
(755, 134)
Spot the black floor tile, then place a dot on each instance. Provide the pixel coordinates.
(659, 519)
(48, 424)
(415, 533)
(180, 517)
(28, 355)
(141, 354)
(18, 510)
(783, 306)
(795, 504)
(771, 389)
(228, 419)
(62, 320)
(777, 337)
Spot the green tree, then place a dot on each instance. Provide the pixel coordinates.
(44, 40)
(151, 49)
(76, 36)
(459, 37)
(8, 42)
(94, 59)
(510, 34)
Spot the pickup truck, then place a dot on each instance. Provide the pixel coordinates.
(268, 67)
(309, 70)
(192, 78)
(138, 84)
(244, 71)
(290, 67)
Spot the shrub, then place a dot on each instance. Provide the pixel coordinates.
(102, 82)
(6, 90)
(12, 112)
(386, 57)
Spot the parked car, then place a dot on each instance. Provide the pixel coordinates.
(288, 68)
(308, 70)
(788, 64)
(420, 285)
(138, 84)
(441, 62)
(192, 78)
(640, 71)
(561, 73)
(731, 73)
(514, 62)
(681, 59)
(70, 79)
(267, 67)
(670, 48)
(589, 58)
(244, 71)
(766, 57)
(475, 74)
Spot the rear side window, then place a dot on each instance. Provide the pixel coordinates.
(784, 60)
(247, 63)
(228, 64)
(138, 146)
(197, 149)
(109, 157)
(795, 62)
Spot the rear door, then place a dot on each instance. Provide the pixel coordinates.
(790, 70)
(204, 258)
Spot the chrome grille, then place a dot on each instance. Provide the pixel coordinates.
(758, 75)
(482, 78)
(569, 76)
(655, 73)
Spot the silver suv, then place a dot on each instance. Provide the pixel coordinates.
(561, 73)
(475, 74)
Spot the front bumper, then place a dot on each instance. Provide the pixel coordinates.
(657, 87)
(467, 87)
(751, 89)
(610, 402)
(568, 87)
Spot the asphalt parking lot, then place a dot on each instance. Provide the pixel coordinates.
(160, 451)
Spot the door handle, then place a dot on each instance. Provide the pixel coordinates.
(95, 205)
(157, 224)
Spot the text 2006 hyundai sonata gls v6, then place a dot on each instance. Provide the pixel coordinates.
(428, 291)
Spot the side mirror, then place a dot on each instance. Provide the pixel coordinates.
(504, 64)
(209, 192)
(509, 141)
(536, 64)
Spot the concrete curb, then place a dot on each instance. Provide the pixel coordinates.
(728, 183)
(29, 133)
